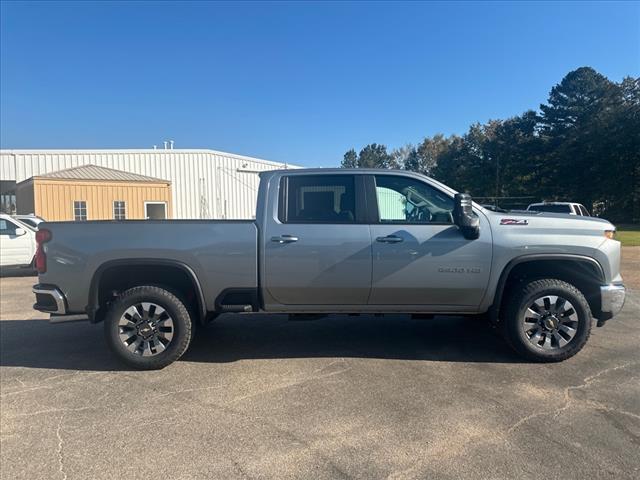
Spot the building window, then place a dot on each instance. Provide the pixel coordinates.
(80, 210)
(119, 210)
(8, 203)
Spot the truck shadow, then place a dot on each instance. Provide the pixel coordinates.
(450, 339)
(81, 346)
(6, 272)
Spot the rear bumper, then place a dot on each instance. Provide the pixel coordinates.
(612, 299)
(49, 299)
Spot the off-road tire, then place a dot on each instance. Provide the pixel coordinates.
(182, 327)
(521, 297)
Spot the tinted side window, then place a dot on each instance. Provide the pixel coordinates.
(406, 200)
(319, 199)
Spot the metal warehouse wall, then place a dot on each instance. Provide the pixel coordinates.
(205, 183)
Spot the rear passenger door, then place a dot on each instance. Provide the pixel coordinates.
(318, 249)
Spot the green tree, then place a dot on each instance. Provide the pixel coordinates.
(374, 156)
(371, 156)
(403, 156)
(350, 159)
(429, 152)
(575, 124)
(515, 152)
(620, 193)
(452, 164)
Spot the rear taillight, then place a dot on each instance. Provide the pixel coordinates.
(40, 261)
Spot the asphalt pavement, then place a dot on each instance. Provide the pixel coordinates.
(342, 397)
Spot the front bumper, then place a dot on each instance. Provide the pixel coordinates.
(612, 299)
(49, 299)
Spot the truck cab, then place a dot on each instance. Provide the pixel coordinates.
(368, 241)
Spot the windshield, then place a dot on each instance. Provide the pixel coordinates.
(29, 221)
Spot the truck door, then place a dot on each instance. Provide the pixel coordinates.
(317, 247)
(16, 244)
(419, 256)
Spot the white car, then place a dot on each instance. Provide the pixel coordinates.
(17, 242)
(29, 220)
(560, 207)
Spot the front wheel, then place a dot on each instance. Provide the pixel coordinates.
(148, 327)
(547, 320)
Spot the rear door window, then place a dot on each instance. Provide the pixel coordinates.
(318, 199)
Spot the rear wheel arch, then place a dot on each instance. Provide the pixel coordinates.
(585, 273)
(144, 271)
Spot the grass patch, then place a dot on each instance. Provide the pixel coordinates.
(629, 235)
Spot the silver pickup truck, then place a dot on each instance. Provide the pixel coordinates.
(335, 241)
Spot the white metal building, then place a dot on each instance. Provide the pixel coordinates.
(205, 183)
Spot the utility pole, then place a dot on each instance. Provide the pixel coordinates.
(497, 177)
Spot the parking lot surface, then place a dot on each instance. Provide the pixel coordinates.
(342, 397)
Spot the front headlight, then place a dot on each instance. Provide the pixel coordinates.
(610, 234)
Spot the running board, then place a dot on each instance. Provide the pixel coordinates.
(236, 308)
(237, 300)
(81, 317)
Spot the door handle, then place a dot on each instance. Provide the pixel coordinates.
(284, 239)
(390, 239)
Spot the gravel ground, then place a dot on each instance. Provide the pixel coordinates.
(631, 267)
(362, 397)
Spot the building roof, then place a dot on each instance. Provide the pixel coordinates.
(94, 172)
(154, 151)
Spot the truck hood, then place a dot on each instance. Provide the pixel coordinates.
(541, 220)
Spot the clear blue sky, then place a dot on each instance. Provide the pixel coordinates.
(295, 82)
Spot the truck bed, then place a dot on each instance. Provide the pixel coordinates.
(222, 253)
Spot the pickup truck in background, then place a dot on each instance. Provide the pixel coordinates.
(17, 242)
(569, 208)
(335, 241)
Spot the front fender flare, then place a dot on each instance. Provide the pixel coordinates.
(500, 287)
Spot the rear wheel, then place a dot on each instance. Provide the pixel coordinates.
(547, 320)
(148, 327)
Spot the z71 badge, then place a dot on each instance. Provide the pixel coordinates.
(514, 221)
